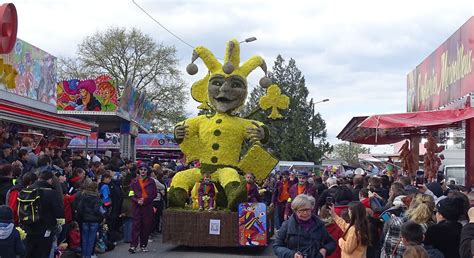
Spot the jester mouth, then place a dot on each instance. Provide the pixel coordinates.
(224, 99)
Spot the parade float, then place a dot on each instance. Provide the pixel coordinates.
(216, 140)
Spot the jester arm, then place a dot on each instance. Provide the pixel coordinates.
(186, 134)
(258, 132)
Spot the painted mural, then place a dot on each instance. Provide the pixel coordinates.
(99, 94)
(36, 69)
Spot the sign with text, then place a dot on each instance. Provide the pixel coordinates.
(444, 76)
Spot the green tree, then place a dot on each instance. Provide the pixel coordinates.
(301, 135)
(130, 56)
(349, 152)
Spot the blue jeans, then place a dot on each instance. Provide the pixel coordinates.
(127, 230)
(88, 235)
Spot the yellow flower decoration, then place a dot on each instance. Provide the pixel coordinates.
(7, 75)
(274, 100)
(199, 92)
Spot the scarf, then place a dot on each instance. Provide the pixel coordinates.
(6, 230)
(306, 225)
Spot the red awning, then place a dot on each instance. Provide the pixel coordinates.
(418, 119)
(21, 114)
(391, 128)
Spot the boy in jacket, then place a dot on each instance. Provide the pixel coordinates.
(11, 245)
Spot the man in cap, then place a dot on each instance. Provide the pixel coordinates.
(292, 178)
(445, 235)
(302, 187)
(5, 153)
(280, 198)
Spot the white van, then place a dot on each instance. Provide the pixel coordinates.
(456, 173)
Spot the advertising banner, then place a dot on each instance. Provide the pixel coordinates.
(136, 104)
(154, 141)
(99, 94)
(444, 76)
(36, 69)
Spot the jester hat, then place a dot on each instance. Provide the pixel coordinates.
(230, 68)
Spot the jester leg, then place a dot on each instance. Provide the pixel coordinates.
(235, 191)
(181, 184)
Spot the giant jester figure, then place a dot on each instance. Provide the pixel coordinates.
(216, 140)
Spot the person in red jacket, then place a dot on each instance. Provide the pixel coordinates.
(144, 192)
(252, 188)
(12, 196)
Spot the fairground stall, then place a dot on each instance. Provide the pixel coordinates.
(28, 96)
(159, 147)
(439, 110)
(97, 100)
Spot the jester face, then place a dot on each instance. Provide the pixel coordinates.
(227, 94)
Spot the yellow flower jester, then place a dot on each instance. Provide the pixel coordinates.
(216, 140)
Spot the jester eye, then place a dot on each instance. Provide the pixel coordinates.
(217, 83)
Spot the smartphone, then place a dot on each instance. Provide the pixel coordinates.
(329, 201)
(420, 178)
(385, 217)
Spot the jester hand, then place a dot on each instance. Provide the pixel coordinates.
(256, 133)
(181, 131)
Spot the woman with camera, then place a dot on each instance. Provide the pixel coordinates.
(303, 234)
(355, 239)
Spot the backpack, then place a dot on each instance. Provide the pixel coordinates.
(29, 206)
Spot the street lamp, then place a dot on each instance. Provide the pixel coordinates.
(248, 40)
(312, 118)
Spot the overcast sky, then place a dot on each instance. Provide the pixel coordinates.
(356, 53)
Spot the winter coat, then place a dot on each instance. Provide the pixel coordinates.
(252, 194)
(467, 235)
(350, 246)
(51, 209)
(127, 208)
(104, 190)
(445, 236)
(292, 238)
(150, 189)
(5, 184)
(330, 192)
(10, 242)
(74, 239)
(435, 253)
(89, 208)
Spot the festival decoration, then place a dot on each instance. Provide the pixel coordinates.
(406, 159)
(216, 140)
(252, 224)
(7, 75)
(99, 94)
(9, 24)
(431, 161)
(274, 100)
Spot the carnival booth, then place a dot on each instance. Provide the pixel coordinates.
(439, 105)
(218, 213)
(27, 92)
(97, 100)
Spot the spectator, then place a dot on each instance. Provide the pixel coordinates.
(318, 183)
(40, 234)
(303, 234)
(292, 179)
(6, 181)
(74, 238)
(12, 196)
(23, 158)
(90, 214)
(445, 235)
(127, 214)
(144, 189)
(159, 201)
(375, 185)
(104, 190)
(27, 145)
(280, 197)
(6, 156)
(467, 236)
(412, 237)
(330, 192)
(358, 182)
(356, 238)
(11, 245)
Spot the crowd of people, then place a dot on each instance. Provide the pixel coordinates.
(366, 215)
(76, 203)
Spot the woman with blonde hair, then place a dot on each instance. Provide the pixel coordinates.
(420, 211)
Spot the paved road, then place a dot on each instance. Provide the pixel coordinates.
(158, 249)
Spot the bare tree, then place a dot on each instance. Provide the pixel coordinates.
(130, 56)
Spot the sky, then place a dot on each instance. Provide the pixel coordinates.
(355, 53)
